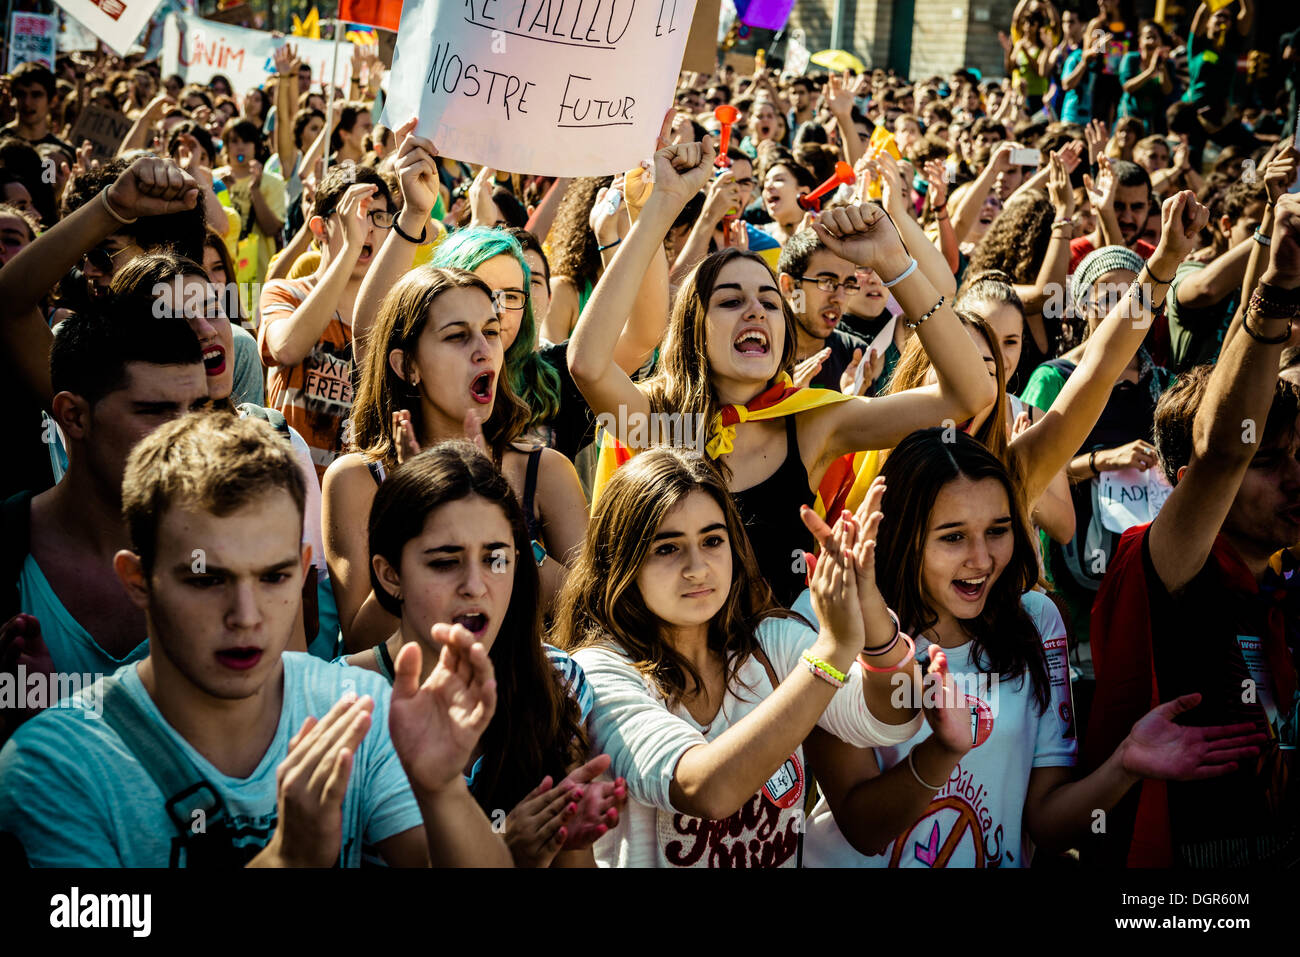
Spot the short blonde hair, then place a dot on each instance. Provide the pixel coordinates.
(211, 460)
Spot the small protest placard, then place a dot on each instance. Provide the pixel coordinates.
(32, 38)
(106, 129)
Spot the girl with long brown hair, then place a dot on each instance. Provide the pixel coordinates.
(433, 373)
(731, 342)
(705, 687)
(448, 548)
(991, 777)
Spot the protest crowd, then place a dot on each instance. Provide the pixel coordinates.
(888, 472)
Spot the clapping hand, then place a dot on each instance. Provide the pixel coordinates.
(436, 725)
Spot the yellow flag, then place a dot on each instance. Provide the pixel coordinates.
(309, 26)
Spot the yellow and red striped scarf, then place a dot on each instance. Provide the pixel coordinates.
(843, 486)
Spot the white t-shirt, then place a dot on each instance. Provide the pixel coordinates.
(634, 726)
(975, 820)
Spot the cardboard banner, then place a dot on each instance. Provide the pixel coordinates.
(117, 22)
(32, 39)
(701, 44)
(200, 49)
(535, 86)
(106, 129)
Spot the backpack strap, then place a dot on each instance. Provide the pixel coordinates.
(810, 799)
(272, 417)
(15, 544)
(183, 786)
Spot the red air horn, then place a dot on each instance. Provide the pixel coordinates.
(726, 114)
(843, 174)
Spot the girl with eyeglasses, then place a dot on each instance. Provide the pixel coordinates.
(436, 370)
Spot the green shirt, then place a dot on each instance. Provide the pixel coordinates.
(1196, 335)
(1211, 69)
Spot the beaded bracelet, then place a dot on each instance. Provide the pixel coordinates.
(933, 309)
(824, 669)
(911, 653)
(911, 763)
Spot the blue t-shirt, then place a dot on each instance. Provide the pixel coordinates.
(1077, 106)
(74, 795)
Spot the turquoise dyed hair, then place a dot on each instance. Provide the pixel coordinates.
(531, 378)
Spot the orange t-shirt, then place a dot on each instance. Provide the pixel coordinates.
(315, 396)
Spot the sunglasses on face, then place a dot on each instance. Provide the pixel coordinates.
(101, 257)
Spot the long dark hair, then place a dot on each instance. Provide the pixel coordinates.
(1004, 638)
(682, 382)
(537, 728)
(601, 602)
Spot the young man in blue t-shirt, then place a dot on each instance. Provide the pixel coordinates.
(220, 747)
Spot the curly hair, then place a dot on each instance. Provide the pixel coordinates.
(574, 251)
(1017, 239)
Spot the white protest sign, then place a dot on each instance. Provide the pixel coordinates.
(1128, 497)
(880, 343)
(553, 87)
(32, 38)
(200, 49)
(74, 36)
(117, 22)
(796, 54)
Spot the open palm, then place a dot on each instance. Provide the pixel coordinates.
(1159, 748)
(435, 725)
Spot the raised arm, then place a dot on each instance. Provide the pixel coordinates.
(1230, 420)
(1048, 445)
(417, 177)
(680, 171)
(1051, 274)
(865, 236)
(539, 223)
(148, 187)
(840, 100)
(973, 196)
(286, 105)
(928, 257)
(288, 340)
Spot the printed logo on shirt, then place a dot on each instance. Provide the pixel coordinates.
(1058, 668)
(785, 787)
(981, 720)
(327, 383)
(953, 831)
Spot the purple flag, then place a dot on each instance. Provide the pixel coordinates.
(766, 14)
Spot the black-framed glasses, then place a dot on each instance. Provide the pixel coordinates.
(382, 218)
(830, 283)
(509, 298)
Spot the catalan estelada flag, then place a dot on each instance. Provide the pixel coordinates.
(385, 14)
(845, 483)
